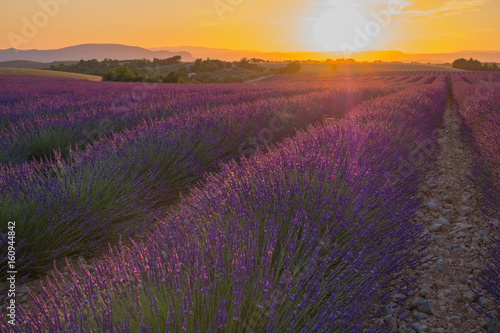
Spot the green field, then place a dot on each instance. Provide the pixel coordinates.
(41, 72)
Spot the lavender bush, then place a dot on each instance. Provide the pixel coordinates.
(309, 236)
(477, 99)
(39, 115)
(117, 185)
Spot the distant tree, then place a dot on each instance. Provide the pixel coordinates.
(96, 67)
(292, 67)
(167, 62)
(120, 74)
(108, 76)
(460, 64)
(123, 73)
(172, 77)
(257, 60)
(208, 65)
(492, 66)
(473, 65)
(248, 64)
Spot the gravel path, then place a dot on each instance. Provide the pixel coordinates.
(446, 285)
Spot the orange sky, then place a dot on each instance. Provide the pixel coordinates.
(416, 26)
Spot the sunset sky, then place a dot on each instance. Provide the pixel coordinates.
(416, 26)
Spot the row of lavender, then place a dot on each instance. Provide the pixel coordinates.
(39, 115)
(116, 186)
(310, 236)
(478, 104)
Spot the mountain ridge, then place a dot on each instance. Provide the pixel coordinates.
(88, 52)
(190, 53)
(386, 55)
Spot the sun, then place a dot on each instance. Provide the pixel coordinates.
(338, 25)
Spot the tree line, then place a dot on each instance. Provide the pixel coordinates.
(159, 70)
(474, 65)
(95, 67)
(202, 71)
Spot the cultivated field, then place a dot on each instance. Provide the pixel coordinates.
(44, 72)
(313, 202)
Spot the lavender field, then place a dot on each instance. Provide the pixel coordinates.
(280, 206)
(478, 100)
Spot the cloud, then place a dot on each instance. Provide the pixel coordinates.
(451, 7)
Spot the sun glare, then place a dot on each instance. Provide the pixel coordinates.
(338, 25)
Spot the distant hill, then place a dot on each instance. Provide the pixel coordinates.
(222, 54)
(40, 72)
(190, 53)
(88, 52)
(434, 58)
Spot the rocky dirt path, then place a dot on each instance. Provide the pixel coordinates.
(459, 233)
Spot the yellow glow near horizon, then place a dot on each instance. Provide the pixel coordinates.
(420, 26)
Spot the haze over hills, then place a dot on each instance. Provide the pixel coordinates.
(231, 55)
(190, 53)
(88, 52)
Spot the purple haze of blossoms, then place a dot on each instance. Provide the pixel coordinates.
(477, 98)
(117, 184)
(308, 236)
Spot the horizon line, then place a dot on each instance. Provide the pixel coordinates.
(165, 48)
